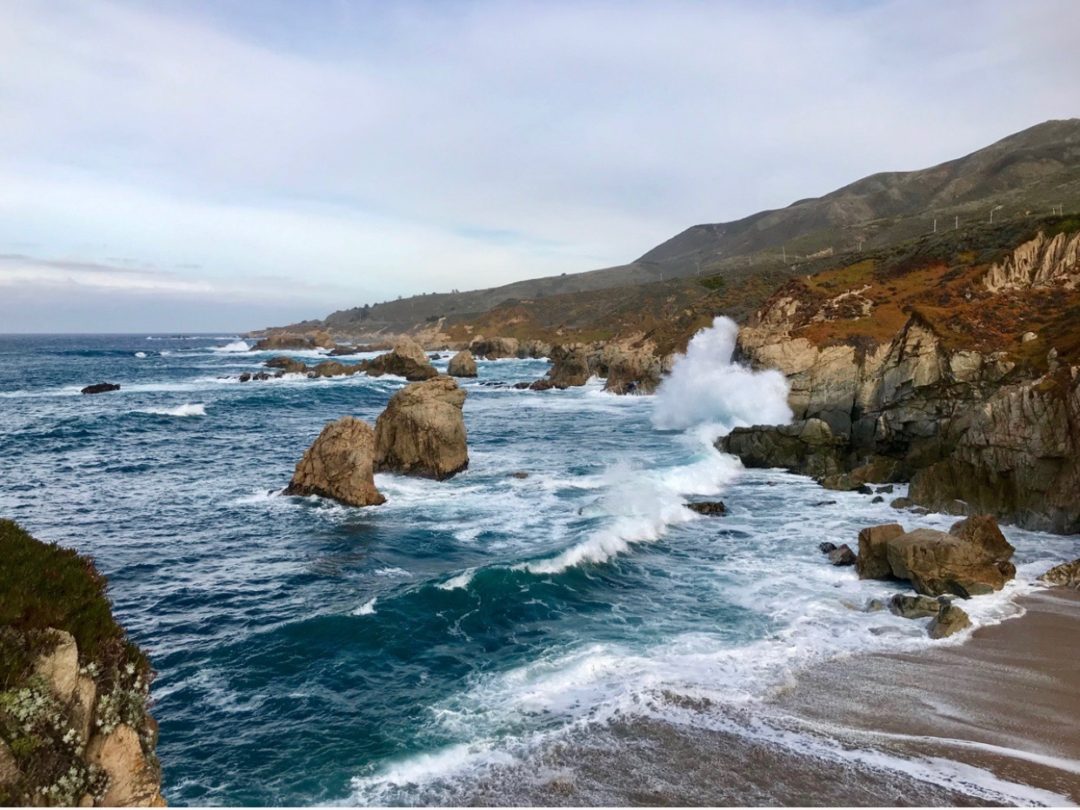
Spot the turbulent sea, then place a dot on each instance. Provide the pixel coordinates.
(490, 638)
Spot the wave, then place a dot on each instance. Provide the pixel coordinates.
(232, 348)
(187, 409)
(366, 609)
(141, 355)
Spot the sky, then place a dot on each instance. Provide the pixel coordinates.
(222, 166)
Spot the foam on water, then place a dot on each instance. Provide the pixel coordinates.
(233, 348)
(187, 409)
(366, 609)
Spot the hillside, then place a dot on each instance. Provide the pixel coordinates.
(1023, 175)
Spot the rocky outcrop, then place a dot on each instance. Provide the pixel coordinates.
(407, 359)
(295, 340)
(808, 446)
(462, 364)
(74, 723)
(494, 348)
(100, 388)
(287, 365)
(332, 368)
(422, 430)
(570, 367)
(708, 508)
(971, 558)
(631, 371)
(339, 465)
(1044, 261)
(1066, 575)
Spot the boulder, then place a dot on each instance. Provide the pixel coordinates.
(950, 619)
(914, 607)
(494, 348)
(406, 359)
(570, 367)
(100, 388)
(332, 368)
(826, 548)
(630, 371)
(133, 780)
(873, 562)
(946, 563)
(842, 555)
(287, 365)
(83, 713)
(462, 364)
(422, 430)
(901, 503)
(339, 465)
(709, 508)
(59, 667)
(1066, 574)
(808, 447)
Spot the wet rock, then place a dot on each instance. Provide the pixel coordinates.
(519, 474)
(913, 607)
(332, 368)
(522, 386)
(422, 431)
(287, 364)
(842, 555)
(339, 465)
(100, 388)
(864, 489)
(543, 384)
(877, 499)
(873, 559)
(406, 359)
(462, 364)
(808, 447)
(826, 548)
(245, 377)
(570, 367)
(823, 503)
(874, 606)
(631, 371)
(1066, 574)
(709, 508)
(886, 489)
(950, 619)
(901, 503)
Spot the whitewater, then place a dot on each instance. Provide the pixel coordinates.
(413, 652)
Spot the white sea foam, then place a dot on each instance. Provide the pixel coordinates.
(706, 388)
(140, 355)
(187, 409)
(366, 609)
(231, 348)
(460, 581)
(392, 571)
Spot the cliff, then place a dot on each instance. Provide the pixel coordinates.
(955, 369)
(74, 691)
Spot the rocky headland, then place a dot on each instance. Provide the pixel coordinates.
(75, 727)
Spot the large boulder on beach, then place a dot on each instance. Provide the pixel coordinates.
(422, 430)
(1066, 575)
(407, 359)
(339, 465)
(462, 364)
(873, 561)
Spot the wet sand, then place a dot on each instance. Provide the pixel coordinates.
(995, 720)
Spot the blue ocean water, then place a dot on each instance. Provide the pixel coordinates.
(311, 653)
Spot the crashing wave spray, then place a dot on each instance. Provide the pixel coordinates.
(706, 390)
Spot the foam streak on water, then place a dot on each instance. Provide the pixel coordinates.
(313, 653)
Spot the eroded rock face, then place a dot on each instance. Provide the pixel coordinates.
(422, 431)
(1066, 574)
(570, 367)
(59, 668)
(1041, 262)
(295, 340)
(971, 558)
(808, 446)
(340, 465)
(462, 364)
(133, 781)
(632, 371)
(407, 359)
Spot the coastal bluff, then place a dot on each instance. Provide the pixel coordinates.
(75, 727)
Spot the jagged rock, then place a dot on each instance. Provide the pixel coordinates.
(133, 781)
(826, 548)
(873, 559)
(245, 377)
(535, 349)
(101, 388)
(295, 340)
(808, 447)
(570, 367)
(339, 465)
(631, 371)
(494, 348)
(332, 368)
(1040, 262)
(950, 619)
(913, 607)
(407, 359)
(1066, 574)
(287, 365)
(842, 555)
(422, 430)
(59, 667)
(462, 364)
(710, 508)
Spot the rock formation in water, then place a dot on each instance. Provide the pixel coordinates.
(927, 373)
(422, 430)
(972, 558)
(339, 465)
(1066, 575)
(100, 388)
(407, 359)
(74, 724)
(317, 339)
(570, 367)
(462, 364)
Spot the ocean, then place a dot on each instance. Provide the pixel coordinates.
(462, 641)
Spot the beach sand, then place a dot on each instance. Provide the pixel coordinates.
(995, 720)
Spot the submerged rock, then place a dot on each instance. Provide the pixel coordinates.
(842, 555)
(100, 388)
(710, 508)
(422, 430)
(914, 607)
(339, 465)
(462, 364)
(1066, 574)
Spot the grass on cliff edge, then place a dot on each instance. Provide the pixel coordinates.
(43, 585)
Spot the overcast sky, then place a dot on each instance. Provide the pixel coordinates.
(223, 166)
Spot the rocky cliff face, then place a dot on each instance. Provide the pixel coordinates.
(75, 728)
(964, 399)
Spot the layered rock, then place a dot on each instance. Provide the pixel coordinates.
(971, 558)
(407, 359)
(1066, 575)
(422, 430)
(339, 465)
(74, 723)
(808, 447)
(1043, 261)
(462, 364)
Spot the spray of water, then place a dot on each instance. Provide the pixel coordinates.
(707, 392)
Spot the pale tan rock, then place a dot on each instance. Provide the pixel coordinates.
(422, 430)
(133, 780)
(462, 364)
(940, 563)
(1040, 262)
(407, 359)
(1066, 574)
(83, 710)
(9, 768)
(59, 668)
(339, 465)
(873, 559)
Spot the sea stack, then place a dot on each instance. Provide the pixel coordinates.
(339, 465)
(462, 364)
(406, 359)
(422, 431)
